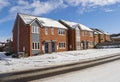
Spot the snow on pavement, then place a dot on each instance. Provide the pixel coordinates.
(8, 64)
(109, 72)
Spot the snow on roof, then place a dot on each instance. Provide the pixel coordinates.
(103, 31)
(74, 24)
(44, 21)
(116, 37)
(83, 27)
(97, 31)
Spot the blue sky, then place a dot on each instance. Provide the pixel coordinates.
(102, 14)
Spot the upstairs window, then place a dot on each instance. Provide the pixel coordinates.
(61, 31)
(91, 34)
(46, 31)
(35, 29)
(52, 31)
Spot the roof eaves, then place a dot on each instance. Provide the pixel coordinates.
(65, 24)
(21, 18)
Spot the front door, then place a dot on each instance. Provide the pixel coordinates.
(83, 44)
(46, 47)
(53, 46)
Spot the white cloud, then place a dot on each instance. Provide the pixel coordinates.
(92, 5)
(34, 7)
(46, 7)
(37, 7)
(107, 10)
(83, 10)
(92, 2)
(3, 3)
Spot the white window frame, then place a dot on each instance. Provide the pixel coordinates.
(35, 46)
(46, 31)
(61, 31)
(62, 45)
(91, 34)
(52, 31)
(35, 29)
(91, 43)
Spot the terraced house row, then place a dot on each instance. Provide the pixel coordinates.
(34, 35)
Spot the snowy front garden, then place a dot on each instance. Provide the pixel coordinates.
(8, 64)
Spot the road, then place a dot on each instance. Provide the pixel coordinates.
(32, 75)
(109, 72)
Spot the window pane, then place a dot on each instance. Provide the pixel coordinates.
(59, 44)
(37, 30)
(46, 31)
(63, 31)
(32, 45)
(35, 45)
(38, 46)
(59, 31)
(52, 31)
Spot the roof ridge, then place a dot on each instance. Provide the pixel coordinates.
(38, 16)
(28, 14)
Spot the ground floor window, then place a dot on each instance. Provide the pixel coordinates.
(91, 43)
(35, 45)
(62, 45)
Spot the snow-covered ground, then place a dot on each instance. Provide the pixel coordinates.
(8, 64)
(109, 72)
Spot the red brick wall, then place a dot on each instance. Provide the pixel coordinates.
(71, 37)
(101, 38)
(58, 38)
(15, 36)
(107, 37)
(96, 38)
(85, 36)
(24, 37)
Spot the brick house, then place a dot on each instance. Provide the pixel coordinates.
(34, 35)
(100, 36)
(79, 36)
(106, 35)
(115, 37)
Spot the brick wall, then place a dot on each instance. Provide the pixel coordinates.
(55, 37)
(85, 36)
(24, 37)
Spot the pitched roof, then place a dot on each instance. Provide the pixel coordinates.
(102, 31)
(74, 25)
(98, 31)
(44, 21)
(116, 37)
